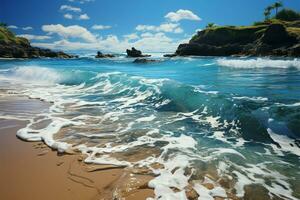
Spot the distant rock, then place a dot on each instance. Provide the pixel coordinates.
(170, 55)
(269, 39)
(144, 60)
(135, 53)
(18, 47)
(101, 55)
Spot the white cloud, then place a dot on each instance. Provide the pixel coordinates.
(69, 8)
(145, 28)
(100, 27)
(68, 16)
(148, 42)
(84, 17)
(182, 14)
(74, 31)
(165, 27)
(147, 34)
(34, 37)
(12, 27)
(132, 36)
(81, 1)
(27, 28)
(178, 30)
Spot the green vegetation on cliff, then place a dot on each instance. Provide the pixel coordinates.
(220, 35)
(288, 15)
(270, 38)
(276, 36)
(8, 37)
(12, 46)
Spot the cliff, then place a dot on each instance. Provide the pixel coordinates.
(18, 47)
(272, 38)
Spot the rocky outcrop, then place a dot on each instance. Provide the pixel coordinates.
(169, 55)
(135, 53)
(101, 55)
(18, 47)
(275, 39)
(144, 61)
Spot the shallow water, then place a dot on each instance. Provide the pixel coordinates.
(233, 123)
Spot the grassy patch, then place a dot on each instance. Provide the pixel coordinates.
(8, 37)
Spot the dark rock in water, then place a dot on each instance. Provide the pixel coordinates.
(18, 47)
(101, 55)
(144, 60)
(135, 53)
(270, 39)
(170, 55)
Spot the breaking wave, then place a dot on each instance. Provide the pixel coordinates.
(198, 136)
(259, 63)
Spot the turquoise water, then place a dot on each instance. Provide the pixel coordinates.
(205, 119)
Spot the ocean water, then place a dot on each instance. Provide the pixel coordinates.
(233, 123)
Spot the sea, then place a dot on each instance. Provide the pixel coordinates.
(233, 123)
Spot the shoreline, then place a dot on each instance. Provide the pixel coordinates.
(31, 170)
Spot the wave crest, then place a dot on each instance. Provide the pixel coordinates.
(36, 74)
(259, 63)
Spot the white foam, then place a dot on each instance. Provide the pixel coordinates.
(261, 174)
(287, 144)
(256, 99)
(259, 63)
(35, 74)
(206, 194)
(46, 134)
(220, 151)
(146, 119)
(289, 105)
(213, 121)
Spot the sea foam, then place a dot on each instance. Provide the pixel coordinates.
(259, 63)
(129, 113)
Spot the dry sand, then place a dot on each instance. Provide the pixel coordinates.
(32, 171)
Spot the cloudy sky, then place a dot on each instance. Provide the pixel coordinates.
(114, 25)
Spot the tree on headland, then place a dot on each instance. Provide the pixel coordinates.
(276, 6)
(3, 24)
(210, 25)
(288, 15)
(267, 12)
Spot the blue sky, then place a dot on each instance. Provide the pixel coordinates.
(114, 25)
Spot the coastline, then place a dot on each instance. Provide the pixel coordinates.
(31, 170)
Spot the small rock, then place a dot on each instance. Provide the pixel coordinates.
(209, 186)
(170, 55)
(101, 55)
(59, 163)
(144, 60)
(191, 194)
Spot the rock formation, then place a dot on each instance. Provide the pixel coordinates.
(18, 47)
(135, 53)
(101, 55)
(267, 39)
(144, 61)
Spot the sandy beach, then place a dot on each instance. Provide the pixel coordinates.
(31, 170)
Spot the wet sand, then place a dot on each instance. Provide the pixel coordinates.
(32, 171)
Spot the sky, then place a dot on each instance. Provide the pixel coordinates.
(115, 25)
